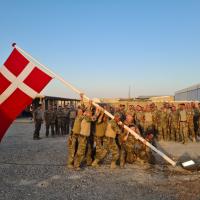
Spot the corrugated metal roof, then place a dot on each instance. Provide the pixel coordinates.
(193, 87)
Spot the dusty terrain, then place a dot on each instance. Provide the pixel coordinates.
(36, 170)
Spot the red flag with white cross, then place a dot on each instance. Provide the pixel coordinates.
(20, 82)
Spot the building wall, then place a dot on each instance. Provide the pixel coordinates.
(188, 94)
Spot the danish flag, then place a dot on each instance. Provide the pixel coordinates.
(20, 82)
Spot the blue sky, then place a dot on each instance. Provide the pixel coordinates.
(104, 46)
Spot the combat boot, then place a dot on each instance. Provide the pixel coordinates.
(113, 165)
(95, 163)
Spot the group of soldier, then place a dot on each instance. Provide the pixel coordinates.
(93, 135)
(58, 120)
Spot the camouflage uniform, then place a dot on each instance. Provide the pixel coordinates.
(72, 116)
(99, 134)
(183, 125)
(38, 119)
(163, 126)
(148, 123)
(196, 119)
(127, 142)
(174, 126)
(190, 120)
(60, 116)
(139, 121)
(109, 143)
(50, 118)
(131, 112)
(155, 123)
(73, 140)
(143, 152)
(83, 141)
(66, 120)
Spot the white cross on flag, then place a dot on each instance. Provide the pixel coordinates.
(20, 82)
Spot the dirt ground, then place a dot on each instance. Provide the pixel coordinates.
(36, 170)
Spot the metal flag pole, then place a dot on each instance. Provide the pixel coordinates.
(67, 84)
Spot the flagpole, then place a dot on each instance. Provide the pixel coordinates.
(67, 84)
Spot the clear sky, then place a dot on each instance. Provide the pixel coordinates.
(104, 46)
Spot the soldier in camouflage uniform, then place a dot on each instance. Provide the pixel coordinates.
(122, 112)
(50, 118)
(38, 120)
(174, 125)
(60, 116)
(139, 119)
(127, 142)
(183, 124)
(163, 120)
(73, 138)
(196, 118)
(56, 121)
(154, 110)
(100, 129)
(143, 152)
(190, 121)
(72, 116)
(109, 142)
(131, 111)
(83, 139)
(148, 121)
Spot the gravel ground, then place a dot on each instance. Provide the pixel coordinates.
(31, 169)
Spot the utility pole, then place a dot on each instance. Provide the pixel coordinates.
(129, 92)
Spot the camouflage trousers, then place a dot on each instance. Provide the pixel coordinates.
(81, 153)
(184, 131)
(174, 133)
(127, 154)
(38, 124)
(191, 130)
(140, 126)
(61, 129)
(48, 126)
(109, 146)
(71, 146)
(99, 146)
(163, 132)
(143, 152)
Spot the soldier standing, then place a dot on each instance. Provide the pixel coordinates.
(66, 111)
(72, 116)
(50, 118)
(196, 118)
(60, 116)
(183, 123)
(139, 119)
(56, 121)
(73, 138)
(131, 111)
(174, 125)
(100, 129)
(38, 120)
(148, 122)
(163, 128)
(109, 141)
(190, 121)
(83, 138)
